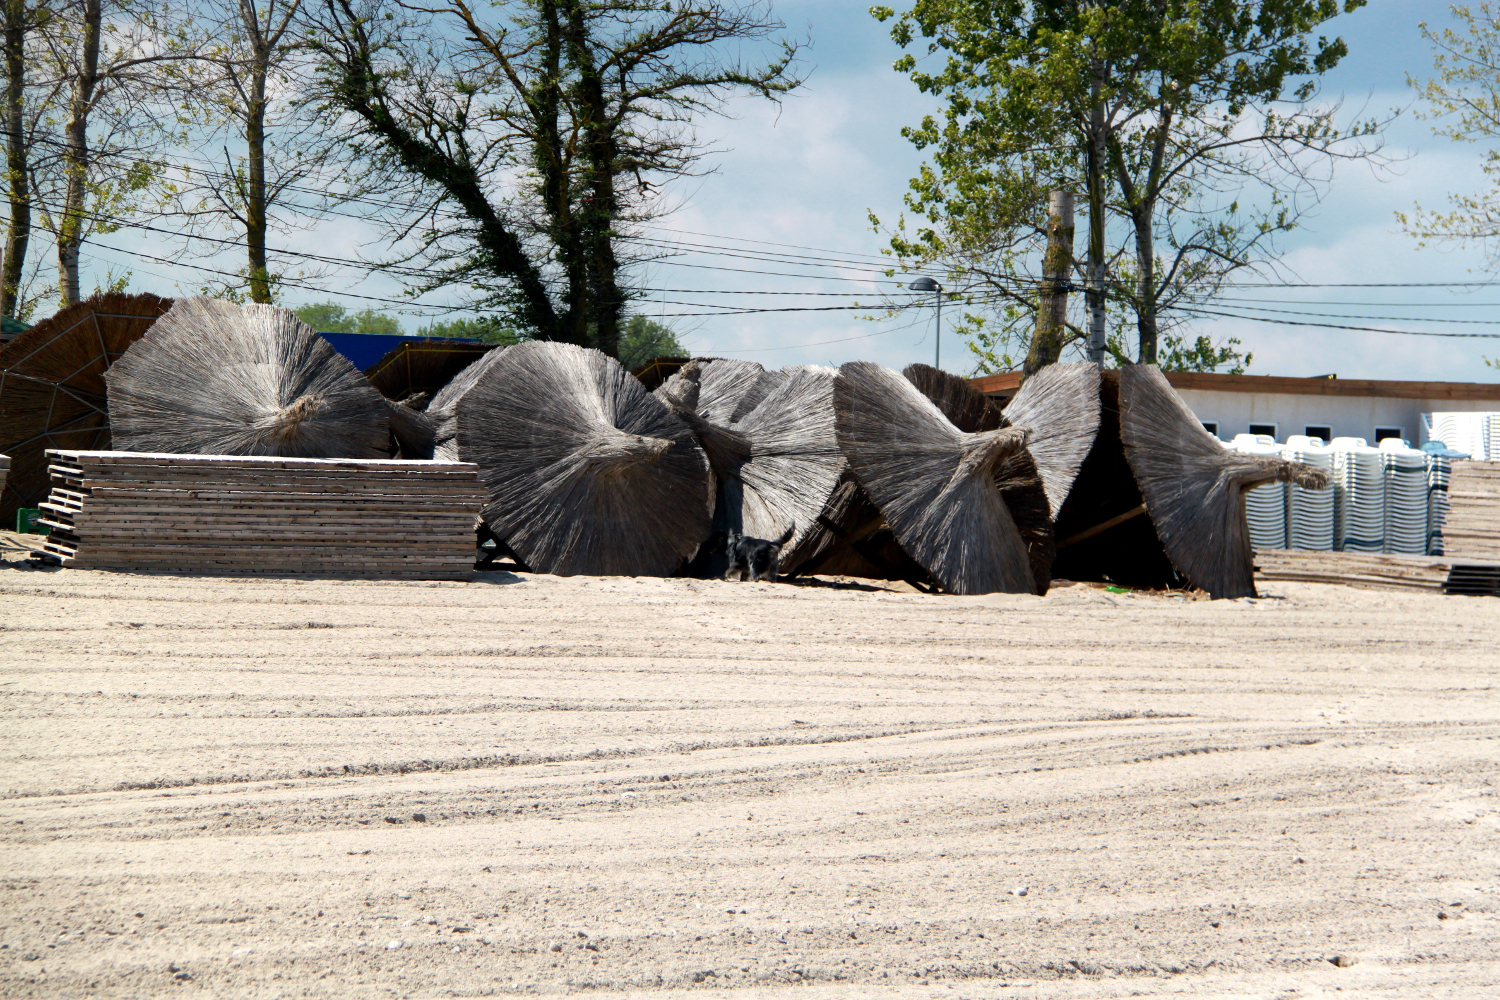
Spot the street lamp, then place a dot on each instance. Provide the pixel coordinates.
(926, 284)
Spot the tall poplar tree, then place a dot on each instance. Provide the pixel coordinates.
(1160, 111)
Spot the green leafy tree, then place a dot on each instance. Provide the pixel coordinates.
(525, 140)
(1159, 111)
(330, 317)
(1463, 101)
(643, 339)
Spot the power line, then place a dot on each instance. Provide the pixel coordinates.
(1338, 326)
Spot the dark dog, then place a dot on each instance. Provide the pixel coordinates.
(756, 556)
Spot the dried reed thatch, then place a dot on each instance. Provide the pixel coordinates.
(1059, 406)
(933, 483)
(585, 471)
(1194, 489)
(422, 367)
(727, 390)
(215, 378)
(1017, 478)
(777, 466)
(52, 390)
(442, 412)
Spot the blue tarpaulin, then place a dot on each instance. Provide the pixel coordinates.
(364, 349)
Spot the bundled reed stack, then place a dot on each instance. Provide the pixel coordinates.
(1192, 488)
(216, 378)
(1017, 478)
(585, 472)
(230, 515)
(52, 391)
(777, 465)
(933, 484)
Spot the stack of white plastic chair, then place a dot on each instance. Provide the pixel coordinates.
(1406, 513)
(1358, 496)
(1309, 513)
(1439, 471)
(1474, 434)
(1265, 506)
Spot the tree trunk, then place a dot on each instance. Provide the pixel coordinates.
(255, 189)
(1057, 267)
(76, 154)
(18, 230)
(1145, 259)
(599, 214)
(1096, 154)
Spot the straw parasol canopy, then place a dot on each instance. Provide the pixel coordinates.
(777, 466)
(1059, 407)
(52, 391)
(1193, 488)
(1017, 478)
(727, 390)
(216, 378)
(933, 483)
(586, 472)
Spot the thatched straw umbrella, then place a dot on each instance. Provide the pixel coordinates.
(586, 471)
(1194, 489)
(1059, 407)
(933, 483)
(52, 391)
(1017, 478)
(727, 390)
(777, 465)
(216, 378)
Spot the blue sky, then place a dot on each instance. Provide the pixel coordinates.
(806, 173)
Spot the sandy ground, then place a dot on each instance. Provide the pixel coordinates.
(538, 785)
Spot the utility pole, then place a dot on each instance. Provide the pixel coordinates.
(1057, 267)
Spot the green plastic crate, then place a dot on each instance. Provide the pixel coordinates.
(28, 521)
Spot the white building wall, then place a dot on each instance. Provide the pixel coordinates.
(1349, 416)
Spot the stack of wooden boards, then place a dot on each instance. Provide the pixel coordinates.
(263, 516)
(1473, 528)
(1376, 571)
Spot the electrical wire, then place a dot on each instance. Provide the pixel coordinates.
(1338, 326)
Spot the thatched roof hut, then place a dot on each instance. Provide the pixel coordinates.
(215, 378)
(52, 389)
(420, 368)
(933, 483)
(1193, 488)
(585, 471)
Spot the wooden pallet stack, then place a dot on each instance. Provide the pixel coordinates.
(1376, 571)
(230, 515)
(1472, 531)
